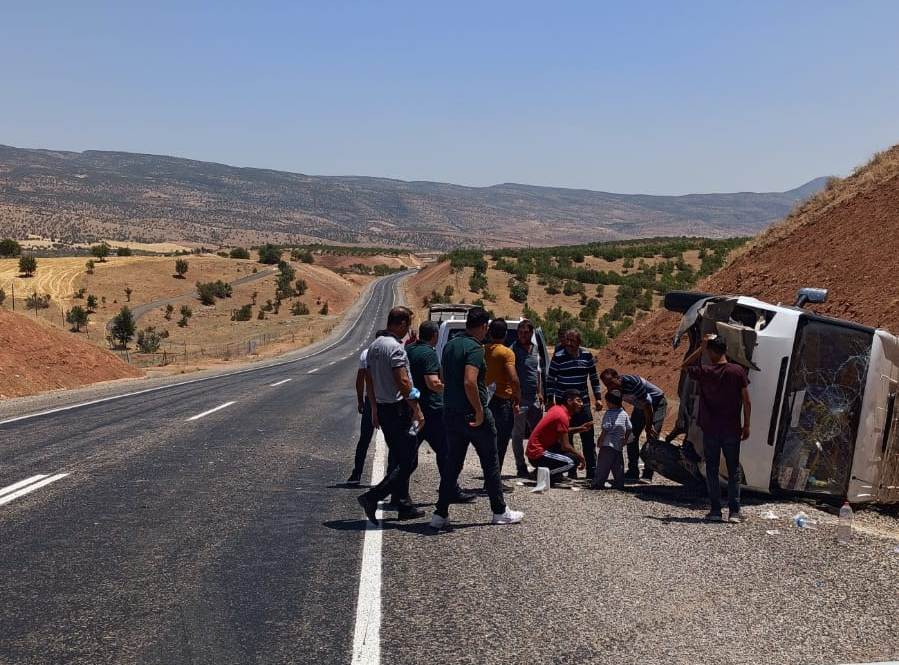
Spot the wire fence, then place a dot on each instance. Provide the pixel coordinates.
(184, 352)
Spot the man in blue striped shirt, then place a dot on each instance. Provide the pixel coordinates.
(571, 368)
(650, 409)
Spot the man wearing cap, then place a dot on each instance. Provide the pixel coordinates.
(723, 394)
(530, 380)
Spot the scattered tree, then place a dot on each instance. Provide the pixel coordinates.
(260, 315)
(180, 268)
(101, 251)
(239, 253)
(186, 312)
(36, 301)
(299, 308)
(27, 265)
(128, 292)
(244, 313)
(123, 251)
(76, 317)
(269, 254)
(324, 310)
(89, 267)
(122, 327)
(302, 255)
(301, 287)
(254, 296)
(169, 310)
(10, 248)
(149, 340)
(448, 293)
(91, 303)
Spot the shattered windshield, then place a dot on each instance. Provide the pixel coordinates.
(821, 408)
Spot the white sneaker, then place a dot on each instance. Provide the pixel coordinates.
(438, 522)
(508, 517)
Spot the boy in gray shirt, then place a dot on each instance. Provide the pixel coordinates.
(616, 428)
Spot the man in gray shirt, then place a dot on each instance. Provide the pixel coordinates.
(395, 409)
(530, 377)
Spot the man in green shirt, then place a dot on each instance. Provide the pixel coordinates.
(469, 421)
(425, 369)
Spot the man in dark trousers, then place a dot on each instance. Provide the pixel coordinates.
(395, 408)
(504, 405)
(723, 394)
(363, 406)
(571, 368)
(469, 421)
(530, 378)
(649, 410)
(425, 368)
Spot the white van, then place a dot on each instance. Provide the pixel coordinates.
(455, 325)
(823, 396)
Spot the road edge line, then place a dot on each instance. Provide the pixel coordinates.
(367, 632)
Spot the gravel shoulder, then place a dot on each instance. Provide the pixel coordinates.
(636, 577)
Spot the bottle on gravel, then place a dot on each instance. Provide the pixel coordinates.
(844, 530)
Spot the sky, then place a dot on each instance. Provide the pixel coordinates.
(637, 97)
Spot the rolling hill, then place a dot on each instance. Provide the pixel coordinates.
(89, 195)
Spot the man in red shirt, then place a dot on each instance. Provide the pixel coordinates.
(723, 399)
(550, 445)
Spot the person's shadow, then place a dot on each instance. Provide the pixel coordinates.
(392, 523)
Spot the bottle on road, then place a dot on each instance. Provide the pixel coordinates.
(844, 530)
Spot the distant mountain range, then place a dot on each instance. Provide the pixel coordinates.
(77, 197)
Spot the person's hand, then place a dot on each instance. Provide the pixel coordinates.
(478, 419)
(540, 401)
(581, 463)
(360, 407)
(651, 432)
(516, 408)
(708, 337)
(745, 434)
(374, 419)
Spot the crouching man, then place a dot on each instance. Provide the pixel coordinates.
(550, 442)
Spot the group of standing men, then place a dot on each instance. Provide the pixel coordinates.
(414, 396)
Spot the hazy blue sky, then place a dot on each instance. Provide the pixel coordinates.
(653, 97)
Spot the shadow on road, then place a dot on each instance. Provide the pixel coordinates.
(419, 528)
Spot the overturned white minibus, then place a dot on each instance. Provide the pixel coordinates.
(823, 393)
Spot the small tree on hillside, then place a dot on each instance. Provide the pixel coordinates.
(89, 267)
(269, 254)
(27, 265)
(169, 310)
(91, 303)
(76, 317)
(149, 340)
(301, 287)
(180, 268)
(122, 327)
(9, 247)
(239, 253)
(128, 292)
(101, 251)
(123, 251)
(186, 312)
(254, 296)
(299, 308)
(206, 293)
(324, 310)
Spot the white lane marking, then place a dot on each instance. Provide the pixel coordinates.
(367, 634)
(111, 398)
(30, 488)
(21, 483)
(313, 371)
(278, 383)
(206, 413)
(333, 362)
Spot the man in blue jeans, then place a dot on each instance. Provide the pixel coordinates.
(723, 394)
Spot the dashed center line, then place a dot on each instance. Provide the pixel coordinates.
(23, 487)
(313, 371)
(206, 413)
(278, 383)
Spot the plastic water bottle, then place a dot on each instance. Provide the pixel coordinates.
(844, 530)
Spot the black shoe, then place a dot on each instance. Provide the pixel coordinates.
(463, 497)
(355, 478)
(632, 475)
(522, 472)
(647, 476)
(370, 506)
(572, 475)
(410, 513)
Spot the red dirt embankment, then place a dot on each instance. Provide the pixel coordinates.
(35, 357)
(845, 239)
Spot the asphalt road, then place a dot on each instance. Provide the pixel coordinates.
(180, 540)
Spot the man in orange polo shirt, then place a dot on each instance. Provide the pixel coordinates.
(501, 372)
(550, 442)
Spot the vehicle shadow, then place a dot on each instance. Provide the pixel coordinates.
(692, 497)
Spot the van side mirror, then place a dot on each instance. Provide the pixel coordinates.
(810, 296)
